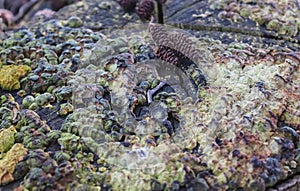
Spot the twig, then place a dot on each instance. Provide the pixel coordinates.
(160, 13)
(153, 91)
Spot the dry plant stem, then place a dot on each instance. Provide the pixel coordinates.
(154, 90)
(24, 10)
(160, 12)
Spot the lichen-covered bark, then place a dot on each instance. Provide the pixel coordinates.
(82, 113)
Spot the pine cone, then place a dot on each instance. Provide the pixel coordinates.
(162, 1)
(176, 40)
(175, 57)
(168, 54)
(128, 5)
(145, 9)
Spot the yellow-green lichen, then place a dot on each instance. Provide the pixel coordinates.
(9, 162)
(7, 139)
(69, 141)
(66, 108)
(10, 76)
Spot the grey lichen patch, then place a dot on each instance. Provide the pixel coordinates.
(236, 115)
(240, 111)
(263, 13)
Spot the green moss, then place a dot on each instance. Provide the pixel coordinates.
(10, 76)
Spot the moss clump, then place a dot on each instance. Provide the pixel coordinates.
(10, 76)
